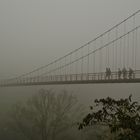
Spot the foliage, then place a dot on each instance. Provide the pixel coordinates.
(122, 117)
(44, 116)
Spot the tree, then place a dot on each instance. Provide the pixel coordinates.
(122, 117)
(44, 116)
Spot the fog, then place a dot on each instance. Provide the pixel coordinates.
(35, 32)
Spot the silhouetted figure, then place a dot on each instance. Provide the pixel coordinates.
(131, 72)
(106, 73)
(109, 73)
(119, 73)
(124, 72)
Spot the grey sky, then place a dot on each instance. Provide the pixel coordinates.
(35, 32)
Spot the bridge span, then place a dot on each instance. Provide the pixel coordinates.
(116, 49)
(90, 78)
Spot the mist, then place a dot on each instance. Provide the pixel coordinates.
(34, 33)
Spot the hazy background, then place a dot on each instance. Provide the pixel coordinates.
(35, 32)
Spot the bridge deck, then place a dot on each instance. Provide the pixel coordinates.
(90, 78)
(75, 82)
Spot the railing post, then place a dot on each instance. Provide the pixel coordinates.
(71, 77)
(87, 76)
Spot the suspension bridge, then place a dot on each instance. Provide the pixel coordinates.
(116, 50)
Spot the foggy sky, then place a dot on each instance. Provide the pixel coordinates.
(35, 32)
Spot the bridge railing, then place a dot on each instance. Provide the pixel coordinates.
(73, 77)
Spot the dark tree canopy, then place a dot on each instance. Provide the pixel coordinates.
(122, 117)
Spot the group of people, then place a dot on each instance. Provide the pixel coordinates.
(124, 73)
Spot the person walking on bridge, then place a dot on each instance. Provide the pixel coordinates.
(131, 73)
(106, 76)
(108, 73)
(119, 73)
(124, 72)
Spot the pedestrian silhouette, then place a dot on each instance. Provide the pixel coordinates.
(106, 73)
(131, 72)
(119, 73)
(109, 73)
(124, 72)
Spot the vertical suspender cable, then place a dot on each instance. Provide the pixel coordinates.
(136, 50)
(88, 61)
(55, 70)
(133, 46)
(94, 58)
(52, 71)
(70, 66)
(76, 64)
(116, 45)
(113, 56)
(59, 68)
(121, 52)
(108, 50)
(107, 55)
(81, 63)
(100, 53)
(42, 78)
(65, 67)
(124, 45)
(128, 50)
(38, 75)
